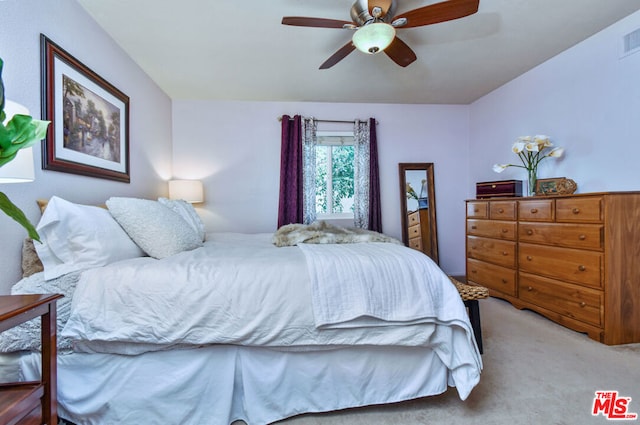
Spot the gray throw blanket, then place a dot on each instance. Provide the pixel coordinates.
(26, 336)
(323, 232)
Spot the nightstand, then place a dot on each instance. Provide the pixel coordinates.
(31, 402)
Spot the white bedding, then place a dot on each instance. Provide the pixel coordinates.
(240, 289)
(231, 326)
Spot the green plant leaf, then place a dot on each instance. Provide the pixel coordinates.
(16, 213)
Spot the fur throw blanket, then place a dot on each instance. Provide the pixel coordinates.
(323, 232)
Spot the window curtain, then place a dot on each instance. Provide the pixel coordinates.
(367, 207)
(309, 143)
(291, 185)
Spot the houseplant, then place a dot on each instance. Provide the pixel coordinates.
(531, 151)
(20, 132)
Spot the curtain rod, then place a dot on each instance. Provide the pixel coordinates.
(335, 121)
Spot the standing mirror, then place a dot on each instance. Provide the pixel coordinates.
(418, 208)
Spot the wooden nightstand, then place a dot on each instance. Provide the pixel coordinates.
(31, 402)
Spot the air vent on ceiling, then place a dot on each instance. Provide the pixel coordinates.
(631, 43)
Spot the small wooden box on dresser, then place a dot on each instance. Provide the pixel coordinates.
(574, 259)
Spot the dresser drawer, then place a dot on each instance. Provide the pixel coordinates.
(414, 231)
(584, 267)
(574, 301)
(415, 243)
(492, 229)
(413, 219)
(478, 209)
(502, 210)
(579, 210)
(495, 277)
(502, 253)
(536, 210)
(584, 236)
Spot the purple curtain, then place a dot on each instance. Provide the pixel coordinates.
(290, 206)
(375, 209)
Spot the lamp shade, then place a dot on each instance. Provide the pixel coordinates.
(20, 169)
(374, 37)
(187, 190)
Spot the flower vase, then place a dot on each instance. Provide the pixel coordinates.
(532, 178)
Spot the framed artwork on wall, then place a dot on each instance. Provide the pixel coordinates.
(89, 130)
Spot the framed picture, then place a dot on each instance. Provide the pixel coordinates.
(555, 186)
(89, 130)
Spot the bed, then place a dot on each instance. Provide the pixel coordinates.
(179, 327)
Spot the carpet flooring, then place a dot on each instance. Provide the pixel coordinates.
(535, 372)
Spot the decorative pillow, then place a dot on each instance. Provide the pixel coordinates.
(187, 212)
(156, 229)
(31, 264)
(77, 237)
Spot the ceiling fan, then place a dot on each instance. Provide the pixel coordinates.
(375, 24)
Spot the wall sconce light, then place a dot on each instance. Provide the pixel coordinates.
(191, 191)
(20, 169)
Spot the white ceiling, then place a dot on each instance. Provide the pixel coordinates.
(238, 50)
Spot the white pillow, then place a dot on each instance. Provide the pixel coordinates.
(156, 229)
(187, 212)
(77, 237)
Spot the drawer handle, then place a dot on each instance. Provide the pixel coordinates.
(529, 232)
(534, 210)
(529, 288)
(474, 227)
(505, 253)
(505, 280)
(505, 230)
(476, 210)
(583, 304)
(500, 210)
(474, 271)
(582, 237)
(529, 258)
(582, 268)
(576, 210)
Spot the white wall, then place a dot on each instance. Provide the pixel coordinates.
(234, 147)
(66, 23)
(587, 99)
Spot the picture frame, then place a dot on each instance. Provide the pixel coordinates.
(89, 130)
(555, 186)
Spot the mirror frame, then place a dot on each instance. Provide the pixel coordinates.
(431, 193)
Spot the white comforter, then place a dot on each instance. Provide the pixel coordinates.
(241, 289)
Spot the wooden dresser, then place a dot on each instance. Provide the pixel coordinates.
(419, 231)
(574, 259)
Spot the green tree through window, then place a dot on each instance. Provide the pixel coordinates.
(334, 176)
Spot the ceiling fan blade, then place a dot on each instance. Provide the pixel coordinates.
(338, 56)
(301, 21)
(400, 53)
(439, 12)
(385, 5)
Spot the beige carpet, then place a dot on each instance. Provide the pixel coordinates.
(535, 372)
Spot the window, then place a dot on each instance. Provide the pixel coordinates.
(334, 180)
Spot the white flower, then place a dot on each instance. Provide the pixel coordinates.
(556, 152)
(531, 150)
(518, 147)
(542, 140)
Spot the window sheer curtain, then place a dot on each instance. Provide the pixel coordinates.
(367, 207)
(298, 171)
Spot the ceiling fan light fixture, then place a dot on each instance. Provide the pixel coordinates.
(373, 38)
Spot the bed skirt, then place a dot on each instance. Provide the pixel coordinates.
(217, 385)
